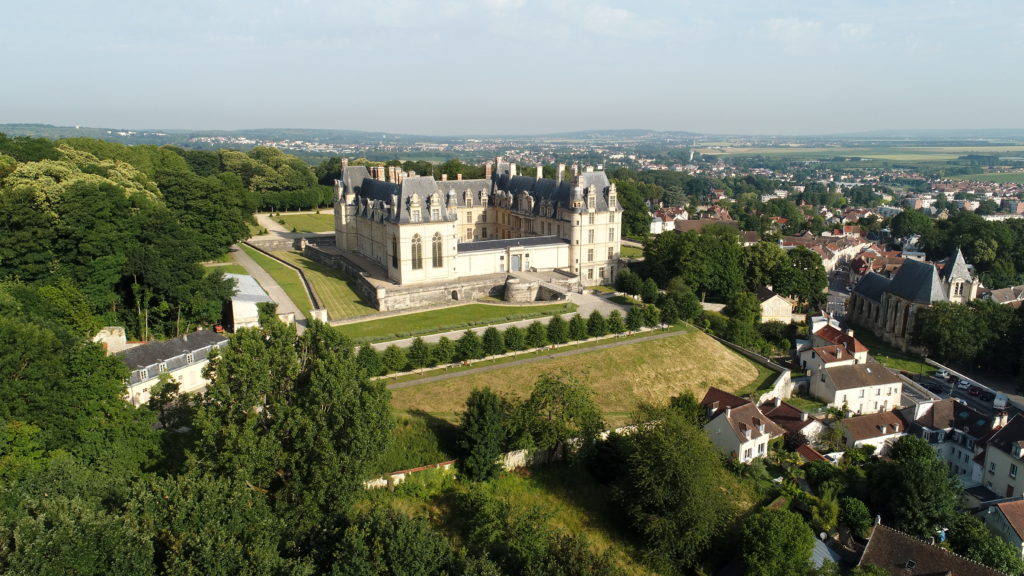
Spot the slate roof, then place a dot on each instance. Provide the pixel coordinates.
(764, 294)
(1014, 514)
(940, 415)
(172, 352)
(872, 286)
(718, 400)
(917, 282)
(484, 245)
(957, 268)
(860, 375)
(902, 555)
(867, 426)
(1009, 435)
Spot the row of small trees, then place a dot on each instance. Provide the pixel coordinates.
(493, 342)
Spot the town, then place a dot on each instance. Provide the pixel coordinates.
(836, 347)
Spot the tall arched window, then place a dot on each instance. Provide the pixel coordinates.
(394, 251)
(417, 252)
(437, 250)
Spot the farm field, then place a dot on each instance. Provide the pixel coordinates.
(621, 378)
(332, 287)
(323, 222)
(447, 319)
(887, 153)
(287, 278)
(997, 177)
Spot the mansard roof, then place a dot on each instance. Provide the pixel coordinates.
(918, 282)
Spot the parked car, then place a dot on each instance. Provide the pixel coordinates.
(936, 388)
(963, 385)
(942, 374)
(986, 396)
(974, 391)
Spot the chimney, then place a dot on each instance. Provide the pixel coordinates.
(444, 177)
(999, 421)
(487, 170)
(849, 332)
(561, 172)
(803, 416)
(728, 411)
(590, 168)
(778, 401)
(458, 177)
(839, 353)
(344, 163)
(540, 171)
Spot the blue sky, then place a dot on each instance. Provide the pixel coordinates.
(516, 66)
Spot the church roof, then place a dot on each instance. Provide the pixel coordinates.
(872, 286)
(956, 267)
(917, 282)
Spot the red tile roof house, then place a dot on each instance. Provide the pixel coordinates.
(737, 427)
(1006, 520)
(879, 430)
(792, 419)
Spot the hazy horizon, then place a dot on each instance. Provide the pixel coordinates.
(517, 67)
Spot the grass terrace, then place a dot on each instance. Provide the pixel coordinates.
(323, 222)
(287, 278)
(622, 377)
(447, 319)
(333, 288)
(890, 356)
(631, 252)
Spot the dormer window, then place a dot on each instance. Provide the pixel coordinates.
(189, 358)
(1016, 450)
(163, 367)
(143, 374)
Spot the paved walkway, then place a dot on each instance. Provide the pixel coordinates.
(276, 293)
(586, 304)
(564, 351)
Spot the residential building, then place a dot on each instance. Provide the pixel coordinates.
(858, 388)
(183, 359)
(880, 430)
(792, 419)
(774, 308)
(737, 427)
(1006, 520)
(1003, 462)
(902, 555)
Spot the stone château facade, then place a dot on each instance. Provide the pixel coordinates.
(421, 231)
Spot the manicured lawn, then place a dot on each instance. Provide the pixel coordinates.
(621, 378)
(631, 252)
(322, 222)
(447, 319)
(600, 288)
(287, 278)
(891, 356)
(809, 405)
(333, 287)
(227, 269)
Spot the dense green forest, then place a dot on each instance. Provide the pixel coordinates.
(123, 229)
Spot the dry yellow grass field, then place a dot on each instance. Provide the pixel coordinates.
(621, 378)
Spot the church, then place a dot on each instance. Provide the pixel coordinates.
(889, 306)
(416, 231)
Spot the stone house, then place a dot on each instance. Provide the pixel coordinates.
(901, 555)
(859, 388)
(1004, 466)
(1006, 520)
(792, 419)
(737, 427)
(183, 359)
(880, 430)
(774, 308)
